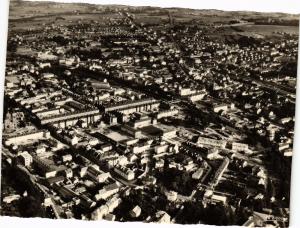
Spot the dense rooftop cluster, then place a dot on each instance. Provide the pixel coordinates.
(171, 122)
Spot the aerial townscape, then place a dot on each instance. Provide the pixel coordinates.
(163, 115)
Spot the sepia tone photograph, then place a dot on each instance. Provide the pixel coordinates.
(148, 114)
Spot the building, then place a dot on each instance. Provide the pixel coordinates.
(171, 195)
(161, 148)
(211, 142)
(220, 171)
(140, 147)
(198, 174)
(239, 146)
(70, 119)
(220, 107)
(162, 217)
(25, 158)
(46, 167)
(186, 91)
(143, 122)
(133, 106)
(106, 209)
(219, 199)
(71, 139)
(135, 133)
(212, 153)
(135, 212)
(169, 133)
(113, 203)
(110, 217)
(197, 96)
(99, 213)
(97, 175)
(107, 191)
(67, 157)
(11, 198)
(167, 113)
(124, 172)
(250, 222)
(24, 137)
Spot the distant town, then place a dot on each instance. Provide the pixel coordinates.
(149, 114)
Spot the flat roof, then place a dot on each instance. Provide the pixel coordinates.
(116, 136)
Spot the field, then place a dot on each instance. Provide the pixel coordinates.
(65, 19)
(269, 29)
(48, 11)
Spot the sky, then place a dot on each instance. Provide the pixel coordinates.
(286, 6)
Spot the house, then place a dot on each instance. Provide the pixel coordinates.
(162, 217)
(25, 158)
(107, 191)
(135, 212)
(125, 172)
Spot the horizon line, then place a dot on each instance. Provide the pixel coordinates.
(258, 6)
